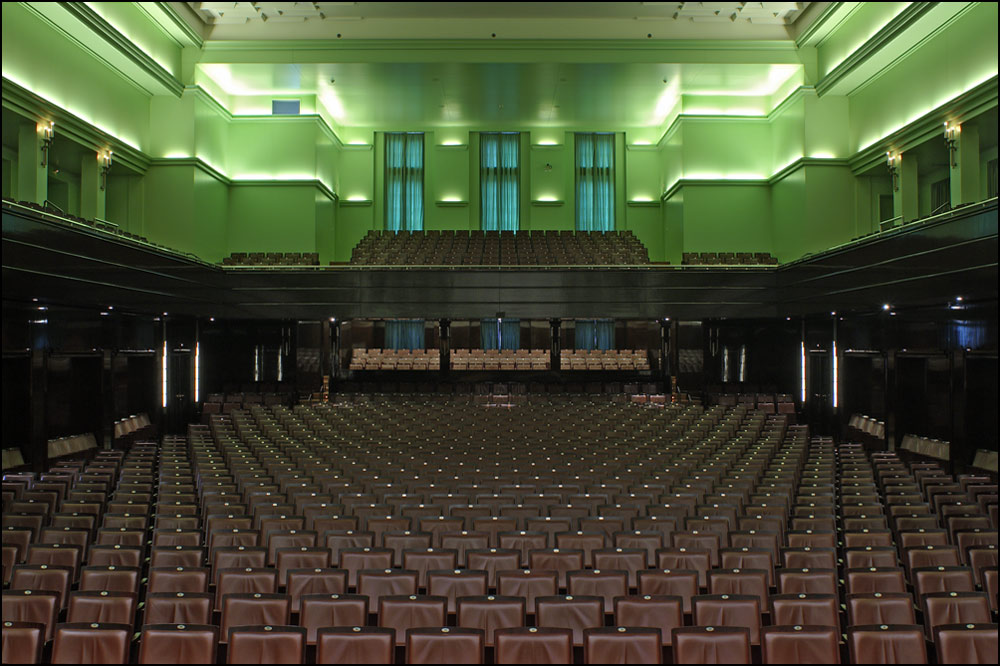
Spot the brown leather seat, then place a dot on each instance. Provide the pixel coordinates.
(728, 610)
(23, 642)
(331, 610)
(670, 582)
(254, 609)
(990, 585)
(969, 643)
(523, 542)
(598, 583)
(491, 613)
(266, 644)
(115, 555)
(662, 612)
(405, 612)
(685, 559)
(111, 578)
(91, 643)
(455, 583)
(493, 560)
(570, 612)
(870, 556)
(809, 558)
(528, 584)
(807, 581)
(444, 645)
(358, 559)
(588, 542)
(355, 645)
(748, 559)
(429, 559)
(800, 644)
(631, 560)
(340, 540)
(375, 583)
(102, 607)
(805, 609)
(533, 645)
(177, 579)
(557, 560)
(927, 580)
(861, 581)
(698, 540)
(314, 581)
(462, 542)
(739, 581)
(33, 607)
(177, 556)
(178, 608)
(711, 645)
(886, 644)
(622, 645)
(930, 556)
(954, 608)
(55, 555)
(398, 542)
(42, 577)
(237, 557)
(178, 643)
(880, 608)
(300, 557)
(245, 581)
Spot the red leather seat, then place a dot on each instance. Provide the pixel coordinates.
(91, 643)
(528, 584)
(32, 607)
(491, 613)
(331, 610)
(886, 644)
(533, 645)
(405, 612)
(661, 612)
(23, 642)
(455, 583)
(570, 612)
(969, 643)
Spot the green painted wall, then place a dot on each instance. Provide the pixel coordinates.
(272, 217)
(81, 84)
(788, 202)
(727, 218)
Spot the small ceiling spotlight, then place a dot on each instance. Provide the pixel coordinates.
(886, 307)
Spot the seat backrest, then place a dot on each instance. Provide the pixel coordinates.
(178, 608)
(800, 644)
(403, 612)
(711, 645)
(805, 609)
(102, 607)
(728, 610)
(491, 613)
(444, 645)
(617, 645)
(880, 608)
(954, 608)
(254, 609)
(887, 644)
(660, 611)
(331, 610)
(355, 645)
(91, 643)
(969, 643)
(266, 644)
(178, 643)
(34, 607)
(570, 612)
(22, 642)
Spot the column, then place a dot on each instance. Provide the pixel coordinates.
(905, 198)
(554, 351)
(106, 438)
(92, 197)
(334, 349)
(675, 355)
(32, 177)
(324, 348)
(38, 445)
(444, 326)
(665, 351)
(965, 166)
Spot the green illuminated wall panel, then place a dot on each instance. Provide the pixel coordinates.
(727, 218)
(272, 217)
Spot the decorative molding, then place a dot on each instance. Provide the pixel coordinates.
(26, 103)
(774, 178)
(452, 146)
(819, 23)
(547, 146)
(195, 162)
(176, 19)
(894, 28)
(789, 169)
(96, 23)
(278, 182)
(641, 147)
(546, 202)
(357, 147)
(451, 204)
(967, 105)
(355, 203)
(633, 203)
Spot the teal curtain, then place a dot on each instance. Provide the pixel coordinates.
(595, 334)
(404, 181)
(404, 334)
(500, 334)
(499, 173)
(595, 182)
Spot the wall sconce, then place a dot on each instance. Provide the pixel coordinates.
(951, 133)
(892, 162)
(104, 160)
(48, 132)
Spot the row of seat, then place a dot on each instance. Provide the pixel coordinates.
(681, 455)
(490, 248)
(272, 259)
(395, 359)
(728, 259)
(604, 359)
(99, 225)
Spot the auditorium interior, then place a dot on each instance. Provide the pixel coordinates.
(499, 332)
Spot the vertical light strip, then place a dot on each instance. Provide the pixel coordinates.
(197, 372)
(280, 369)
(743, 363)
(256, 363)
(163, 372)
(836, 377)
(803, 364)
